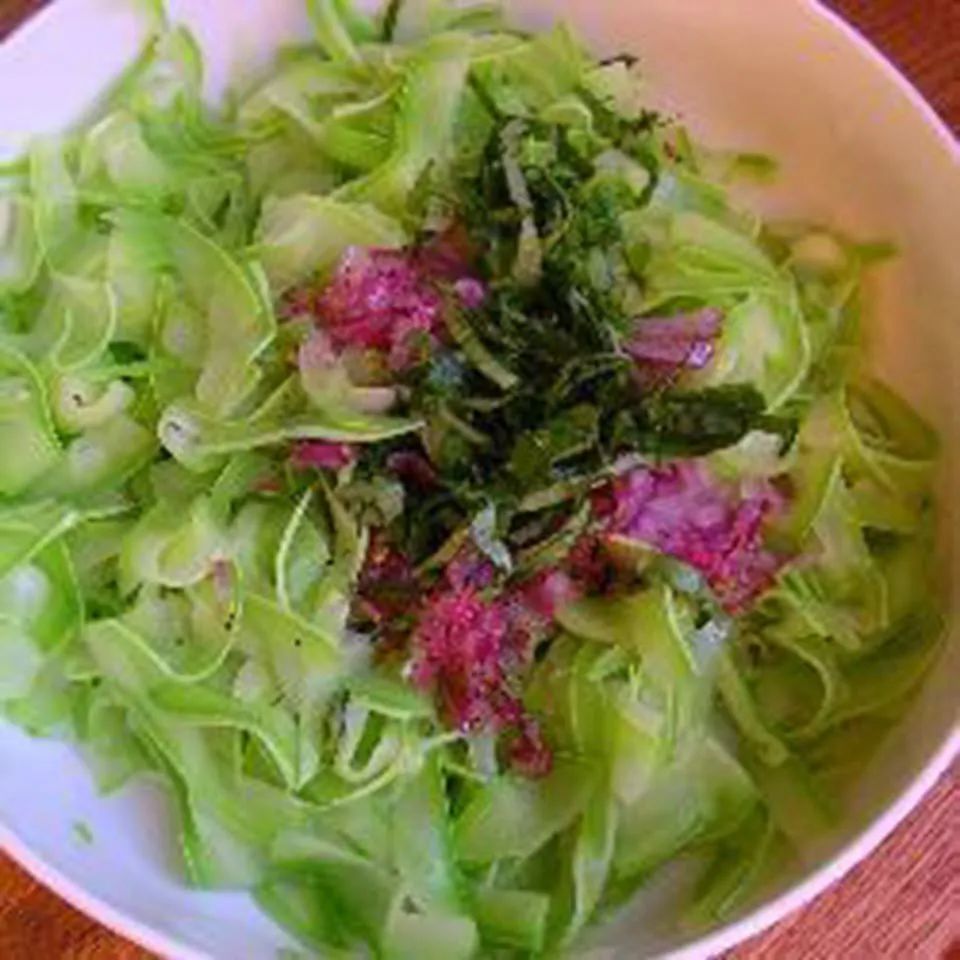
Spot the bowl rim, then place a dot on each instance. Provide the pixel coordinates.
(762, 918)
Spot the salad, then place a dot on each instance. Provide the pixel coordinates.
(427, 470)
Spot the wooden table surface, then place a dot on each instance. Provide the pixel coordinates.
(903, 903)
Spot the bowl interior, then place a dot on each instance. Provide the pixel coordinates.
(857, 150)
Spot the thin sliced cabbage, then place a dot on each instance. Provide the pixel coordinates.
(199, 441)
(422, 841)
(19, 250)
(100, 459)
(187, 595)
(425, 123)
(651, 624)
(27, 530)
(512, 918)
(514, 818)
(237, 317)
(302, 235)
(55, 201)
(26, 424)
(412, 936)
(683, 807)
(525, 78)
(764, 341)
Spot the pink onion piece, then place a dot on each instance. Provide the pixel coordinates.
(413, 468)
(470, 568)
(391, 300)
(549, 591)
(471, 292)
(665, 346)
(321, 455)
(465, 651)
(458, 646)
(530, 755)
(681, 510)
(379, 299)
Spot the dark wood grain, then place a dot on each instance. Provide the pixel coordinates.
(14, 12)
(922, 38)
(903, 903)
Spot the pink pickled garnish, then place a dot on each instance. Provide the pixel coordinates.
(316, 354)
(390, 301)
(413, 468)
(550, 590)
(718, 529)
(525, 629)
(464, 650)
(321, 455)
(664, 346)
(530, 607)
(387, 586)
(381, 300)
(471, 292)
(458, 647)
(469, 568)
(529, 753)
(589, 563)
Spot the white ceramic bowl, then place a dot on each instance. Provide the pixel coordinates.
(859, 149)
